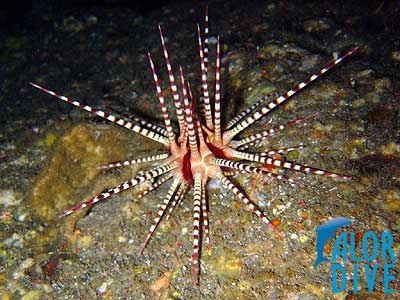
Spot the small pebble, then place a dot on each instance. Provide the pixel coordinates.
(319, 25)
(212, 40)
(21, 217)
(303, 239)
(103, 288)
(122, 239)
(395, 56)
(8, 198)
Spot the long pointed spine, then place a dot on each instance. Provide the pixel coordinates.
(160, 130)
(163, 106)
(167, 199)
(206, 31)
(229, 134)
(122, 187)
(217, 102)
(244, 113)
(196, 226)
(249, 140)
(177, 199)
(194, 150)
(160, 180)
(280, 151)
(174, 89)
(242, 197)
(286, 165)
(248, 169)
(204, 211)
(204, 84)
(113, 119)
(134, 161)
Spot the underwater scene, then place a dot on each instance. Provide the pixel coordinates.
(199, 150)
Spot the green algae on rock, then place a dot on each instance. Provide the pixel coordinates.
(73, 167)
(226, 264)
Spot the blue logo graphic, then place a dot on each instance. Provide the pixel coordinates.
(370, 257)
(325, 232)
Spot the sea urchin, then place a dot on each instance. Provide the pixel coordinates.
(202, 149)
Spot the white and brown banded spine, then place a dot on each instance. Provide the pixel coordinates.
(264, 110)
(167, 199)
(160, 180)
(287, 165)
(174, 88)
(249, 169)
(196, 226)
(176, 200)
(249, 141)
(121, 122)
(134, 161)
(280, 151)
(122, 187)
(204, 84)
(231, 187)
